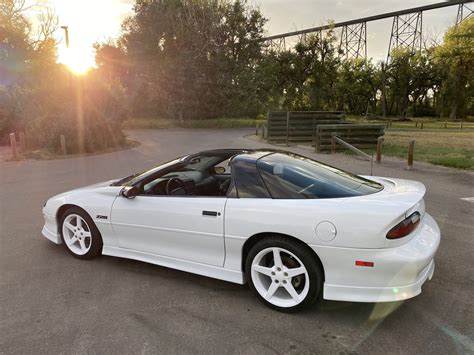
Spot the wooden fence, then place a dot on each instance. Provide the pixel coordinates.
(359, 135)
(298, 126)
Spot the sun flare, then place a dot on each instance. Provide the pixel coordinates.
(79, 61)
(86, 27)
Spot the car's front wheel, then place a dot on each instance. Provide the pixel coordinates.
(284, 274)
(80, 234)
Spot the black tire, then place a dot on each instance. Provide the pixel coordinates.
(96, 239)
(306, 256)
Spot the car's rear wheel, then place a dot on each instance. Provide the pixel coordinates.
(284, 274)
(80, 234)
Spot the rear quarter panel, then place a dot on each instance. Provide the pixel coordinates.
(361, 222)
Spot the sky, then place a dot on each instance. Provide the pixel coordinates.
(104, 22)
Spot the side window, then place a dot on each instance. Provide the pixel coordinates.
(248, 182)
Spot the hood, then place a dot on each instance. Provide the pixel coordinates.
(87, 188)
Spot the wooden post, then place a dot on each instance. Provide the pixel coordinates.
(22, 142)
(379, 150)
(445, 124)
(287, 126)
(461, 125)
(416, 124)
(411, 149)
(316, 140)
(421, 127)
(63, 145)
(256, 130)
(13, 145)
(333, 144)
(265, 131)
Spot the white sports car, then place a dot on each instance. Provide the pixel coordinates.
(293, 228)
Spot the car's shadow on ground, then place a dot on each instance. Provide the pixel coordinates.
(159, 276)
(347, 310)
(158, 300)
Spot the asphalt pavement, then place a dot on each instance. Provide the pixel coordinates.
(53, 303)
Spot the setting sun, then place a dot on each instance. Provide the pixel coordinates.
(77, 60)
(87, 27)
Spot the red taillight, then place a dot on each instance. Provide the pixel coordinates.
(364, 263)
(405, 227)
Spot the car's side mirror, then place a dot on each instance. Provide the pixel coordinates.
(219, 170)
(129, 191)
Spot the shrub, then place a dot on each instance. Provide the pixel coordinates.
(87, 111)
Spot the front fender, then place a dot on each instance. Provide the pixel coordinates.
(97, 202)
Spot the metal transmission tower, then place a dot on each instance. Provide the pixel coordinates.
(277, 44)
(406, 32)
(464, 12)
(354, 41)
(406, 29)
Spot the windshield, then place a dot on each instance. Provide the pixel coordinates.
(294, 176)
(198, 163)
(131, 179)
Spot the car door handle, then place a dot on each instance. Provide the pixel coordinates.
(211, 213)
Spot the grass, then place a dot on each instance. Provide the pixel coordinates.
(207, 123)
(435, 144)
(453, 149)
(429, 123)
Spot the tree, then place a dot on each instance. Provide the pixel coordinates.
(37, 95)
(356, 86)
(306, 75)
(455, 58)
(195, 58)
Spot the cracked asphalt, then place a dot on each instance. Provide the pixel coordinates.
(53, 303)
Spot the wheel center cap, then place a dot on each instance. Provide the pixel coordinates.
(280, 275)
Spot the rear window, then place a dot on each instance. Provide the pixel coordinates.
(297, 177)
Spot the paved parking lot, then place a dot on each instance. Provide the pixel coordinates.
(51, 302)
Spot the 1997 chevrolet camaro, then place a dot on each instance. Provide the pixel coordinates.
(292, 227)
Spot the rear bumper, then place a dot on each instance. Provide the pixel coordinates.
(398, 272)
(378, 294)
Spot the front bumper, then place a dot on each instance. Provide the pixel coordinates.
(50, 228)
(398, 273)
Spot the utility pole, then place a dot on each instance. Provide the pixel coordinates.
(66, 33)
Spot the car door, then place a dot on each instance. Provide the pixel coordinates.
(183, 227)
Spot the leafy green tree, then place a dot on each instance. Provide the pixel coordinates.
(306, 75)
(455, 58)
(195, 58)
(356, 86)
